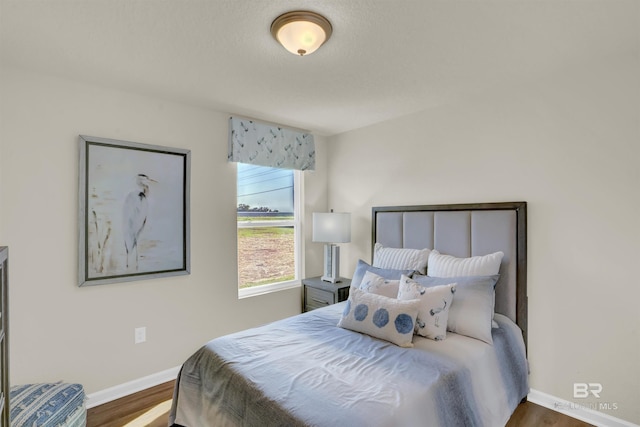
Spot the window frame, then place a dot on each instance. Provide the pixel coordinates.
(298, 242)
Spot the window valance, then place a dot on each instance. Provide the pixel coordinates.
(263, 144)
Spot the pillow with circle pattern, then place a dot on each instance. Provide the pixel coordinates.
(381, 317)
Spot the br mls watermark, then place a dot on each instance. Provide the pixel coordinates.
(585, 391)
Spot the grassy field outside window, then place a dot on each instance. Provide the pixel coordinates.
(265, 254)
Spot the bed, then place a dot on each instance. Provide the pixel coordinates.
(460, 361)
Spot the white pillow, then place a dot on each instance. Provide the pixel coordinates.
(388, 273)
(400, 258)
(449, 266)
(375, 284)
(471, 312)
(381, 317)
(435, 303)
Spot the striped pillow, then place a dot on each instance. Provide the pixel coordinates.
(449, 266)
(400, 258)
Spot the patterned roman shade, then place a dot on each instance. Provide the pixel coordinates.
(270, 145)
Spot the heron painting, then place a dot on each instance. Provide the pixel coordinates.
(134, 218)
(134, 211)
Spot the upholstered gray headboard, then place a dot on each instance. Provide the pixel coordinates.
(465, 230)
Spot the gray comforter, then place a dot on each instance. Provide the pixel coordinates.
(305, 371)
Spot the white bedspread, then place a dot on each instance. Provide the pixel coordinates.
(306, 371)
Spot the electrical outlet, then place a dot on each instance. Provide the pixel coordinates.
(140, 335)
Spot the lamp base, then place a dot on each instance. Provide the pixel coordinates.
(331, 263)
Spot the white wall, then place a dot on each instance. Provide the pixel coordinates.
(568, 145)
(86, 335)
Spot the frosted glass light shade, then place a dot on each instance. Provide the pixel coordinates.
(331, 227)
(301, 32)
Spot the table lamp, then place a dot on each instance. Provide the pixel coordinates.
(331, 228)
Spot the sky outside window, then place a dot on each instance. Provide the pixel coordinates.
(262, 186)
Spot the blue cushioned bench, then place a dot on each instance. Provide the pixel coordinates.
(48, 405)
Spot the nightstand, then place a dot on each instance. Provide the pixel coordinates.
(317, 293)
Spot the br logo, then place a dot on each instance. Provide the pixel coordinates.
(583, 390)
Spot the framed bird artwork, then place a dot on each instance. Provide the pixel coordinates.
(133, 211)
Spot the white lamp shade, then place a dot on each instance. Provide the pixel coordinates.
(301, 32)
(334, 227)
(301, 36)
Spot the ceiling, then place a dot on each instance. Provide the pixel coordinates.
(386, 58)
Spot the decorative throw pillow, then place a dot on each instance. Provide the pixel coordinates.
(400, 258)
(381, 317)
(435, 303)
(388, 273)
(449, 266)
(471, 312)
(375, 284)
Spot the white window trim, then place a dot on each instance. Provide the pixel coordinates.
(298, 206)
(267, 289)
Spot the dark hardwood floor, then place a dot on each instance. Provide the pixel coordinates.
(150, 408)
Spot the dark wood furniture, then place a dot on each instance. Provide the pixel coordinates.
(317, 293)
(4, 339)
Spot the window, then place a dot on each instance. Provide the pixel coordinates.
(268, 228)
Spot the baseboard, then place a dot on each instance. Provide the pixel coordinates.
(122, 390)
(577, 411)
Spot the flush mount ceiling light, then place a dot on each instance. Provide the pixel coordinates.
(301, 32)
